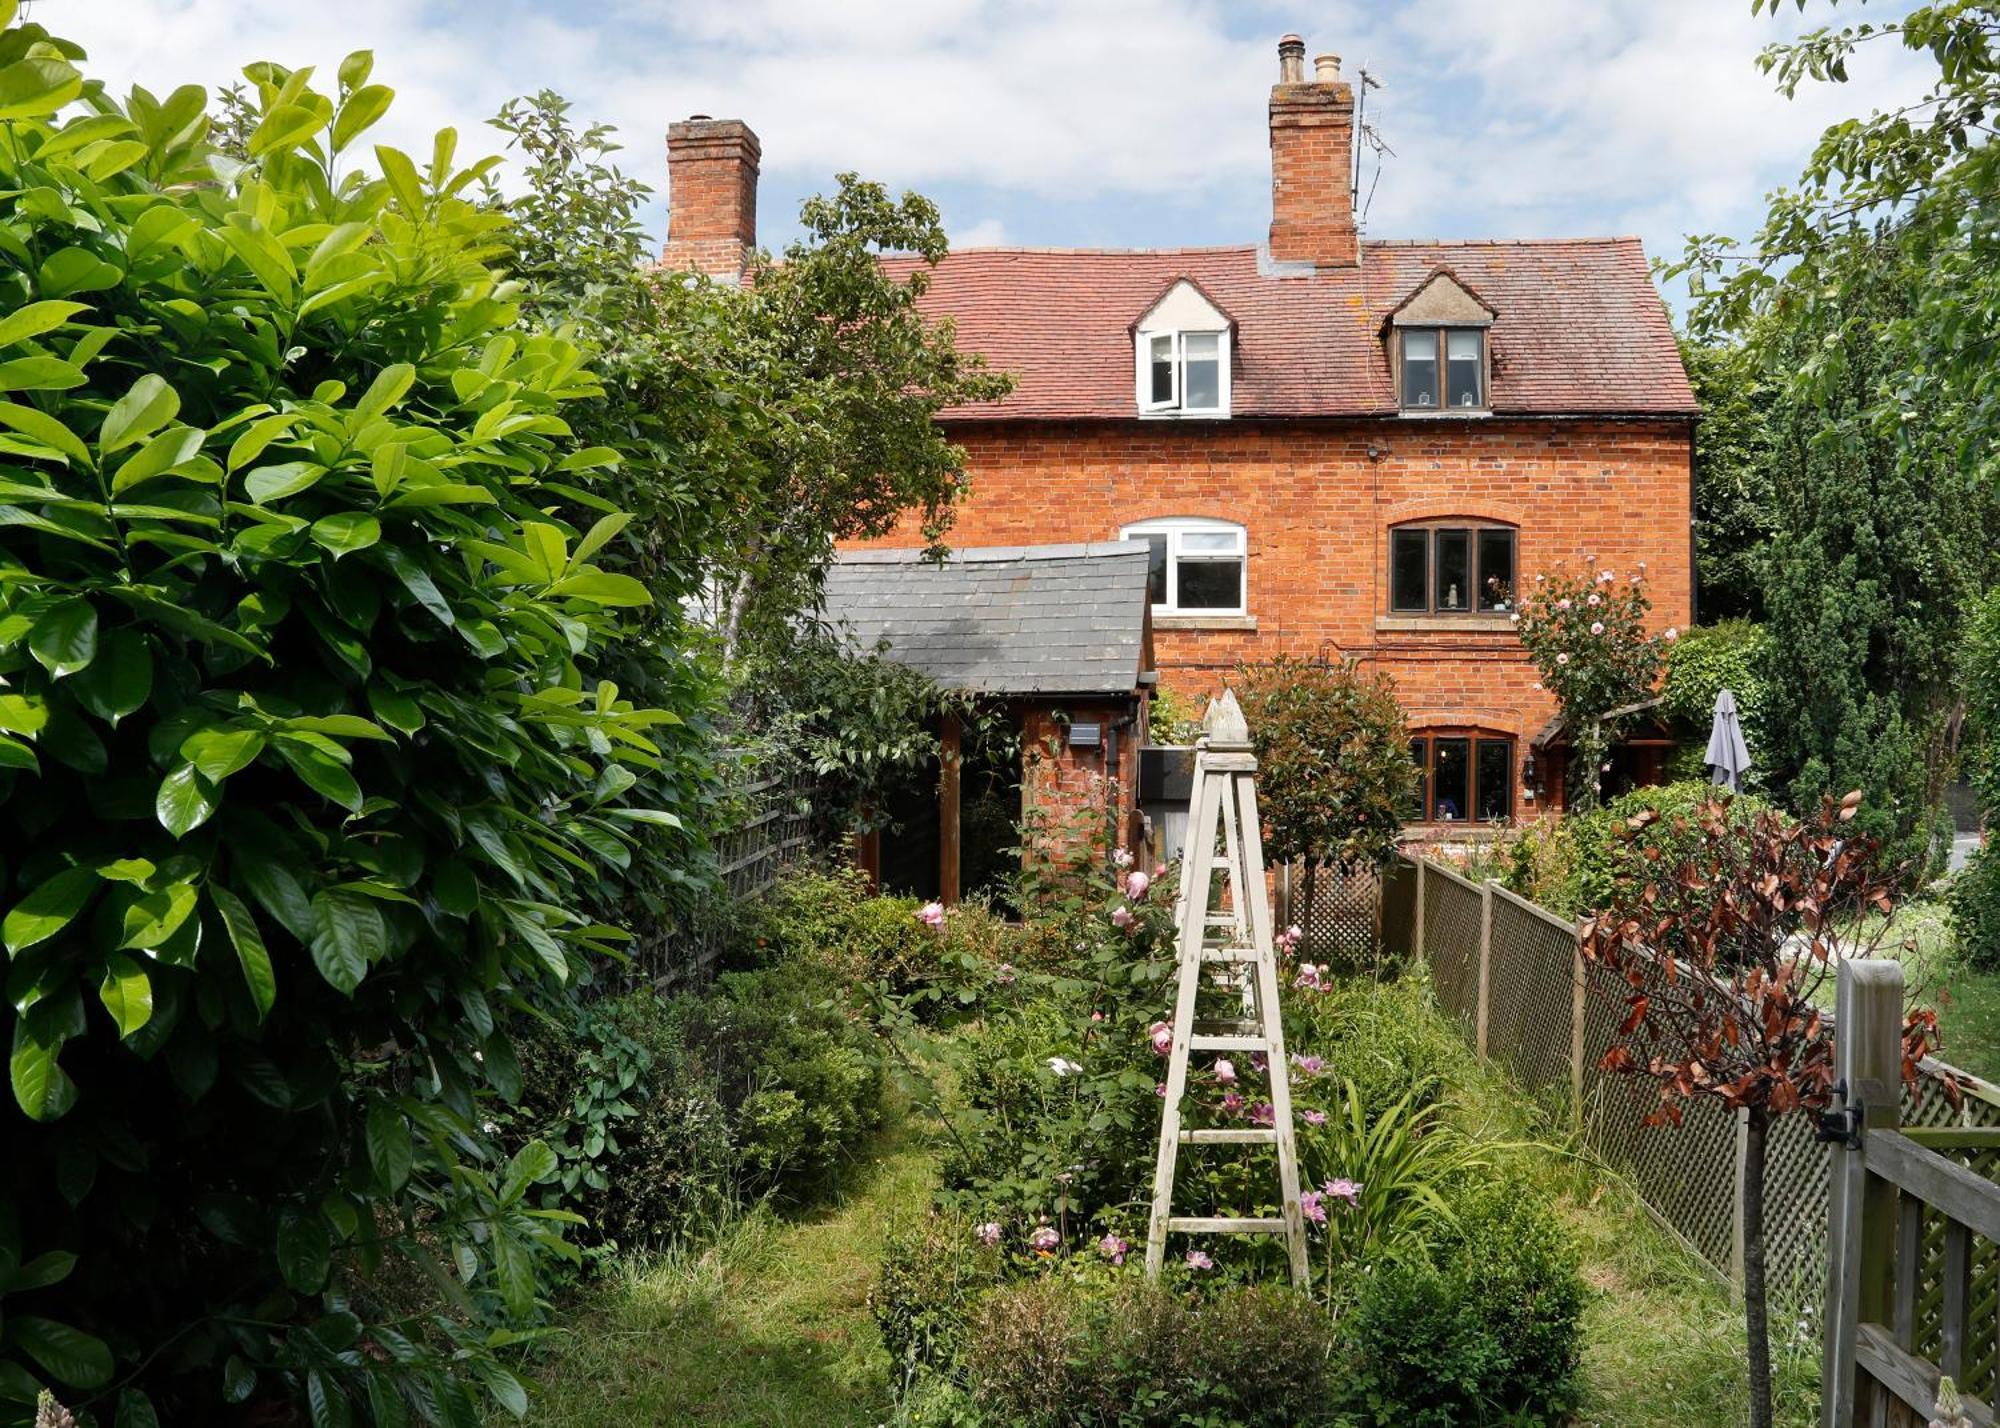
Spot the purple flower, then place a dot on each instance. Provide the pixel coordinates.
(1197, 1260)
(1259, 1062)
(1345, 1189)
(1310, 1206)
(1310, 1065)
(1313, 1118)
(931, 914)
(1160, 1090)
(1044, 1239)
(1113, 1248)
(989, 1233)
(1262, 1114)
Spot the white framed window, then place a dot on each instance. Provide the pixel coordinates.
(1198, 567)
(1183, 373)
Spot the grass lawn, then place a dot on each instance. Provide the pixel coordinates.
(769, 1325)
(1967, 999)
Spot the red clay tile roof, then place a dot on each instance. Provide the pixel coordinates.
(1578, 326)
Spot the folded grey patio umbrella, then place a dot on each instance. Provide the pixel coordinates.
(1728, 755)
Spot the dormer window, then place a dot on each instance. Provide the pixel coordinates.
(1443, 368)
(1181, 345)
(1186, 373)
(1438, 348)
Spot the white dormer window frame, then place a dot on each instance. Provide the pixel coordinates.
(1213, 553)
(1168, 353)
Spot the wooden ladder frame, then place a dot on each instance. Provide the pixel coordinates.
(1223, 805)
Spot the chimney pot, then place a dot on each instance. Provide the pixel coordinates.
(1326, 69)
(1291, 60)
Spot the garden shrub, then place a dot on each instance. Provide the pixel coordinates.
(830, 919)
(1485, 1328)
(933, 1270)
(1600, 855)
(1129, 1352)
(311, 768)
(1707, 659)
(1975, 908)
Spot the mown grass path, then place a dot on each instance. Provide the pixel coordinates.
(769, 1325)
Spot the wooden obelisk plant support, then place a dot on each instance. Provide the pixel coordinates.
(1223, 915)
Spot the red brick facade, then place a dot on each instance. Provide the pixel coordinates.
(712, 168)
(1066, 786)
(1317, 508)
(1312, 148)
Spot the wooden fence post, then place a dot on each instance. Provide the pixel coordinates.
(1579, 985)
(1861, 1210)
(1417, 933)
(1485, 964)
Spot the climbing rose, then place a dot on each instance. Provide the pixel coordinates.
(1122, 917)
(1595, 600)
(1310, 1206)
(1136, 884)
(1113, 1248)
(931, 914)
(1197, 1260)
(1159, 872)
(1225, 1072)
(1563, 604)
(1162, 1035)
(1160, 1090)
(1345, 1189)
(1597, 627)
(1562, 658)
(989, 1233)
(1607, 575)
(1121, 858)
(1044, 1239)
(1671, 634)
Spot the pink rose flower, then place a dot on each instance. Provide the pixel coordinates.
(1122, 916)
(1595, 600)
(1160, 1090)
(931, 914)
(1562, 659)
(989, 1233)
(1159, 872)
(1136, 884)
(1121, 858)
(1563, 604)
(1162, 1035)
(1671, 634)
(1597, 627)
(1197, 1260)
(1225, 1072)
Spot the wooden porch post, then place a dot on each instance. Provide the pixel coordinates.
(949, 759)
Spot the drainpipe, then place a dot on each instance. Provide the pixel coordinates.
(1111, 766)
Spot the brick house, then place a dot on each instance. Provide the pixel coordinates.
(1330, 445)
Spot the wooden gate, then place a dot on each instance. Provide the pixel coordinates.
(1913, 1235)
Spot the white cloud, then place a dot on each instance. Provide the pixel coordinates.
(1507, 116)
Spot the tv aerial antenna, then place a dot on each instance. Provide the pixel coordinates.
(1370, 139)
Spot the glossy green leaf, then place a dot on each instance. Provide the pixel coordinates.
(389, 1146)
(363, 108)
(396, 708)
(47, 910)
(120, 680)
(151, 920)
(287, 478)
(127, 993)
(35, 318)
(286, 127)
(390, 386)
(42, 1089)
(326, 776)
(218, 753)
(68, 1355)
(347, 936)
(251, 954)
(40, 374)
(147, 406)
(160, 455)
(78, 270)
(64, 639)
(186, 801)
(23, 714)
(38, 425)
(40, 1272)
(303, 1250)
(30, 88)
(346, 532)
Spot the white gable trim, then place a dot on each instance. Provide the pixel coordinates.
(1184, 308)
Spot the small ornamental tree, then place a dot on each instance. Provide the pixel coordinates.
(1334, 776)
(1721, 998)
(1586, 632)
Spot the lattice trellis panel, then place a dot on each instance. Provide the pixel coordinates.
(1531, 1009)
(1336, 911)
(1451, 942)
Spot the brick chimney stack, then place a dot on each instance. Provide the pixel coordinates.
(1312, 161)
(711, 196)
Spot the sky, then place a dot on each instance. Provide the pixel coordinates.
(1121, 123)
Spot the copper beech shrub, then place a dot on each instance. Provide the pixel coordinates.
(1723, 941)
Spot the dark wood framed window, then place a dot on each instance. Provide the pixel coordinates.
(1463, 777)
(1451, 569)
(1441, 368)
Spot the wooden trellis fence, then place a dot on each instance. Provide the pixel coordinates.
(1513, 976)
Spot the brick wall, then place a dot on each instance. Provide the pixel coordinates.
(1060, 784)
(1312, 154)
(1318, 507)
